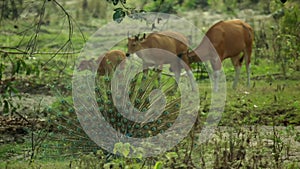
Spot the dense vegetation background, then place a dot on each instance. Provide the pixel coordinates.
(41, 40)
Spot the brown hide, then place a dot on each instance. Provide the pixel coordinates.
(108, 63)
(173, 42)
(170, 44)
(229, 38)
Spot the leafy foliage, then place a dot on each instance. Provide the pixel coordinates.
(119, 15)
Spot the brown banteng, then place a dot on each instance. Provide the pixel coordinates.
(109, 61)
(158, 48)
(229, 39)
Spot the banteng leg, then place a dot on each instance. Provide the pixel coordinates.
(237, 76)
(216, 66)
(190, 75)
(216, 80)
(159, 70)
(236, 61)
(145, 69)
(183, 60)
(248, 68)
(175, 67)
(248, 65)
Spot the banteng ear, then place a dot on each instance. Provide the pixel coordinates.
(144, 36)
(137, 37)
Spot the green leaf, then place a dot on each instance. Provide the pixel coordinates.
(158, 165)
(121, 148)
(171, 155)
(115, 2)
(126, 149)
(118, 16)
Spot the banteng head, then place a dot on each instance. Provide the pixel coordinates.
(134, 44)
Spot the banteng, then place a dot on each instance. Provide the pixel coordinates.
(229, 39)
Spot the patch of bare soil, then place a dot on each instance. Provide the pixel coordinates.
(29, 115)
